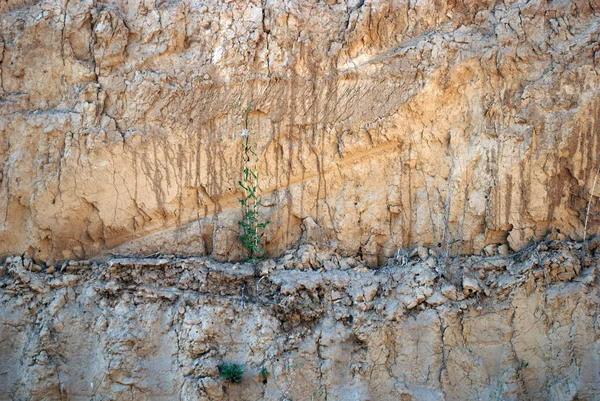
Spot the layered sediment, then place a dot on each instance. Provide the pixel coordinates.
(378, 125)
(310, 325)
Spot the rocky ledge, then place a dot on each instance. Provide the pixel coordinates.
(311, 325)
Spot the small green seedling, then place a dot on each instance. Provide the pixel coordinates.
(232, 372)
(264, 374)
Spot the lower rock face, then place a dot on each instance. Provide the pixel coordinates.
(309, 326)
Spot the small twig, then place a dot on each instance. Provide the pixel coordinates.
(257, 283)
(244, 297)
(60, 386)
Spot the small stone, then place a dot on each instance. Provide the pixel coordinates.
(411, 302)
(266, 267)
(423, 253)
(308, 257)
(449, 291)
(344, 265)
(470, 286)
(431, 263)
(370, 292)
(42, 358)
(436, 299)
(425, 277)
(38, 286)
(394, 209)
(393, 310)
(503, 250)
(330, 265)
(350, 262)
(361, 269)
(425, 291)
(36, 268)
(57, 303)
(490, 250)
(419, 296)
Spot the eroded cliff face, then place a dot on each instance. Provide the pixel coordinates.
(379, 125)
(319, 326)
(422, 130)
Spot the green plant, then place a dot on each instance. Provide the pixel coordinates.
(232, 372)
(251, 224)
(264, 375)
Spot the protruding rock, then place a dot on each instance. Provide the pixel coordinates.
(503, 250)
(450, 292)
(490, 250)
(423, 253)
(436, 299)
(266, 267)
(470, 286)
(370, 292)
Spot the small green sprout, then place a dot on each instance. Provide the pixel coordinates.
(232, 372)
(264, 374)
